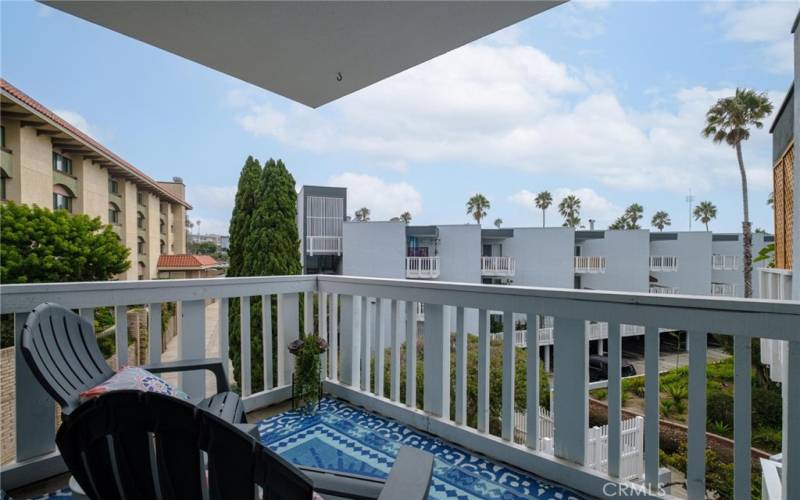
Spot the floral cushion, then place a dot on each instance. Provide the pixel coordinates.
(133, 377)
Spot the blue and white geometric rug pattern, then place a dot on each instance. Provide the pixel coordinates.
(343, 438)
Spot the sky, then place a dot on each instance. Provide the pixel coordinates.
(601, 99)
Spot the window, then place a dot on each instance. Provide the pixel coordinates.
(113, 214)
(62, 164)
(140, 220)
(113, 186)
(142, 270)
(163, 227)
(163, 247)
(3, 188)
(140, 246)
(62, 198)
(2, 136)
(140, 198)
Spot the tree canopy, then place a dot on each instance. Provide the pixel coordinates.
(477, 206)
(44, 246)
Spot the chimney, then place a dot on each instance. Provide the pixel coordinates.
(591, 224)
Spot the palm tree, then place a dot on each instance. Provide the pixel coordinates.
(498, 222)
(632, 216)
(570, 209)
(771, 199)
(362, 214)
(729, 120)
(543, 201)
(478, 205)
(704, 212)
(405, 217)
(660, 220)
(620, 223)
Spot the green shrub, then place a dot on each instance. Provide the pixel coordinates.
(767, 439)
(719, 428)
(677, 391)
(767, 407)
(720, 408)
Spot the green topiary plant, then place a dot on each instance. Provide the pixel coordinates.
(307, 371)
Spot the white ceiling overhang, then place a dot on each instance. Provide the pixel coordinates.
(310, 51)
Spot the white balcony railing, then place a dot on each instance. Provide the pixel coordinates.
(663, 263)
(664, 290)
(725, 262)
(498, 266)
(341, 310)
(422, 267)
(594, 331)
(723, 290)
(632, 434)
(774, 284)
(590, 265)
(324, 245)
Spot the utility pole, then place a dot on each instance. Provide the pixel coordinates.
(689, 200)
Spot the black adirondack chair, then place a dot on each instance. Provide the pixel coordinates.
(61, 350)
(142, 445)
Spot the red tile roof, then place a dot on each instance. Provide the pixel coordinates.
(42, 110)
(185, 261)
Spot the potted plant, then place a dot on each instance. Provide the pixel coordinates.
(307, 377)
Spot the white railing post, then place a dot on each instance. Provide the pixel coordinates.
(411, 354)
(350, 340)
(509, 371)
(696, 465)
(288, 332)
(244, 336)
(742, 383)
(532, 366)
(791, 415)
(266, 340)
(381, 315)
(154, 329)
(483, 370)
(121, 334)
(322, 298)
(366, 344)
(652, 410)
(614, 398)
(571, 358)
(224, 343)
(436, 360)
(461, 368)
(398, 307)
(333, 346)
(193, 346)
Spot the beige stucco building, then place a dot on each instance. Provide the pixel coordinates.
(48, 162)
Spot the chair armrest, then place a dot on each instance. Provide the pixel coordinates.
(410, 476)
(214, 365)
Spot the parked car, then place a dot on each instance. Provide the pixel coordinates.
(598, 368)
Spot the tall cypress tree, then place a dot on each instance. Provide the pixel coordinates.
(268, 245)
(248, 194)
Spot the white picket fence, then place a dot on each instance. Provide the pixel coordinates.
(631, 433)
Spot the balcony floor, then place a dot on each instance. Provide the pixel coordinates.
(344, 438)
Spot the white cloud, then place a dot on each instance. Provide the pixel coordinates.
(515, 107)
(77, 120)
(765, 23)
(384, 199)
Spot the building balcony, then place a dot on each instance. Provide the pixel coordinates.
(364, 358)
(725, 262)
(663, 264)
(422, 267)
(71, 182)
(723, 290)
(663, 290)
(498, 266)
(590, 265)
(323, 245)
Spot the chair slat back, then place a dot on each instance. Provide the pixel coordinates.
(61, 350)
(139, 445)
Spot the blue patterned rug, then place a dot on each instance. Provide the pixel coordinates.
(343, 438)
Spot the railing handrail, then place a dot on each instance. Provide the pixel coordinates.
(22, 298)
